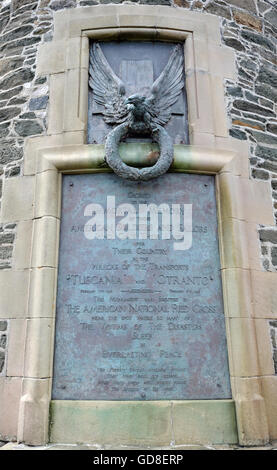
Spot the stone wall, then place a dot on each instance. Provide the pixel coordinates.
(248, 26)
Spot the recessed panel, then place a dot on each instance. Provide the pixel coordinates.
(139, 305)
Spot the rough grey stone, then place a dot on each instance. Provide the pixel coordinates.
(20, 3)
(265, 54)
(253, 116)
(274, 262)
(5, 265)
(275, 360)
(268, 235)
(12, 63)
(7, 237)
(6, 252)
(16, 33)
(235, 91)
(38, 103)
(151, 2)
(30, 61)
(4, 129)
(264, 250)
(28, 116)
(3, 22)
(14, 79)
(17, 101)
(260, 174)
(218, 10)
(10, 93)
(27, 127)
(268, 165)
(266, 264)
(274, 184)
(266, 152)
(266, 103)
(248, 123)
(249, 96)
(9, 153)
(3, 325)
(252, 107)
(10, 226)
(267, 75)
(60, 4)
(2, 360)
(234, 43)
(271, 16)
(30, 52)
(3, 341)
(272, 127)
(249, 64)
(258, 39)
(88, 3)
(263, 138)
(244, 75)
(266, 91)
(253, 161)
(15, 47)
(237, 134)
(248, 5)
(9, 113)
(14, 171)
(40, 80)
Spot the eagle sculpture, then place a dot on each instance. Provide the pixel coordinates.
(136, 114)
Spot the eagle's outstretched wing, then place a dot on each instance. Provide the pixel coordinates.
(166, 89)
(109, 91)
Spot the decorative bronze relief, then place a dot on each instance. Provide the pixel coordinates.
(136, 115)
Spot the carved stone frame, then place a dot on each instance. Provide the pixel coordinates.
(212, 151)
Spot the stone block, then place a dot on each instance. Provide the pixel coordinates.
(204, 422)
(48, 194)
(251, 413)
(237, 291)
(45, 242)
(33, 419)
(234, 245)
(56, 104)
(42, 293)
(18, 199)
(244, 349)
(38, 351)
(125, 423)
(10, 390)
(14, 291)
(75, 109)
(51, 58)
(269, 388)
(22, 252)
(264, 346)
(264, 294)
(16, 347)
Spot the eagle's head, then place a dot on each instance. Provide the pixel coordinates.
(135, 100)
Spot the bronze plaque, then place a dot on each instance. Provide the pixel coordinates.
(139, 306)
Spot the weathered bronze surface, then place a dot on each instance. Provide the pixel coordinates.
(136, 318)
(140, 114)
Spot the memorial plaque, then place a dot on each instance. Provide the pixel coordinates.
(139, 304)
(138, 65)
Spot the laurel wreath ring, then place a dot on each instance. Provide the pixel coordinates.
(114, 161)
